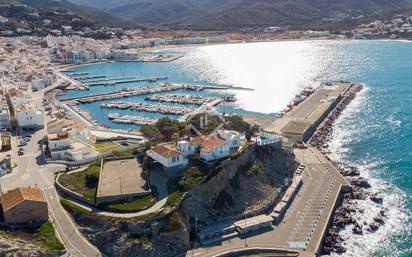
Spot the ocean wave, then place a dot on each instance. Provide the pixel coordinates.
(396, 214)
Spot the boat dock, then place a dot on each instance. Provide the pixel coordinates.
(163, 109)
(204, 108)
(129, 119)
(90, 77)
(107, 79)
(126, 92)
(72, 73)
(302, 118)
(119, 81)
(180, 99)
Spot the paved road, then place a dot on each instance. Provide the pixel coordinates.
(305, 220)
(31, 171)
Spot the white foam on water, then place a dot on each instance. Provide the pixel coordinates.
(346, 130)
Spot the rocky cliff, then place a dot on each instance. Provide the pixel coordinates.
(21, 248)
(134, 238)
(255, 177)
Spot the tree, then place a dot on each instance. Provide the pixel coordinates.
(146, 163)
(152, 133)
(175, 137)
(168, 127)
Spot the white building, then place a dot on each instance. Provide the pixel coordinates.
(189, 147)
(4, 115)
(29, 117)
(232, 137)
(219, 145)
(63, 147)
(3, 20)
(168, 157)
(67, 28)
(40, 81)
(214, 148)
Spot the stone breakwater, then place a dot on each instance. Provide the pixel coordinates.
(344, 214)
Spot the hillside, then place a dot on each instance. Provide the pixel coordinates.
(223, 14)
(47, 9)
(225, 191)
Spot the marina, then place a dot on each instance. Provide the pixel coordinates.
(72, 73)
(126, 92)
(90, 77)
(130, 119)
(120, 81)
(142, 107)
(180, 99)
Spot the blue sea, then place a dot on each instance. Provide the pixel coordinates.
(374, 132)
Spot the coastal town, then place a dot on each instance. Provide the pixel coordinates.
(170, 174)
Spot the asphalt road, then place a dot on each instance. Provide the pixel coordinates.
(32, 171)
(305, 220)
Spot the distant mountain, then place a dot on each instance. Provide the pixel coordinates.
(92, 15)
(222, 14)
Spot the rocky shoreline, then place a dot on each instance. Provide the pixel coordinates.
(344, 215)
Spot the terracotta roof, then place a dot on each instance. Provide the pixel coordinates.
(18, 195)
(58, 122)
(196, 141)
(78, 126)
(211, 143)
(166, 151)
(58, 136)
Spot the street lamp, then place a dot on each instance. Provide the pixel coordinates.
(246, 203)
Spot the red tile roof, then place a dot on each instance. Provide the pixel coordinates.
(18, 195)
(212, 143)
(196, 141)
(166, 151)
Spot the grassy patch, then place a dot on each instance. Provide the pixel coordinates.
(71, 206)
(83, 182)
(136, 205)
(47, 237)
(130, 153)
(192, 178)
(105, 147)
(44, 237)
(174, 199)
(254, 169)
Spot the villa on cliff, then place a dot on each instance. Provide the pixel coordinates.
(174, 157)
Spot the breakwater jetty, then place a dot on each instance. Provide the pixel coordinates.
(309, 215)
(130, 119)
(163, 109)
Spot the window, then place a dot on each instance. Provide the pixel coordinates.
(173, 159)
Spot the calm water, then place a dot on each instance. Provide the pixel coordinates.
(375, 132)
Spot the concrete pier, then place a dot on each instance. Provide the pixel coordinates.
(307, 219)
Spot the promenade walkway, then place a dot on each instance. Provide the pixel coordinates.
(158, 206)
